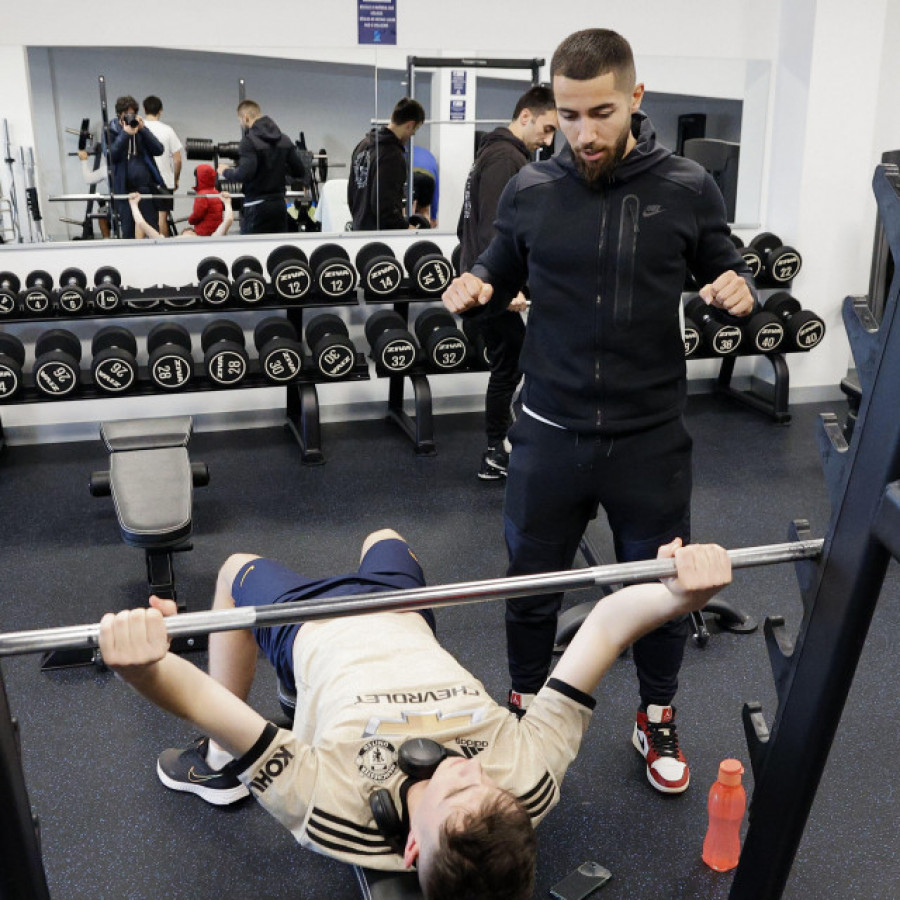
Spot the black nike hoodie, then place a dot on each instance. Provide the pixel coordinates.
(606, 267)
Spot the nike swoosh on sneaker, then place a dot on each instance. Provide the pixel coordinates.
(196, 778)
(642, 740)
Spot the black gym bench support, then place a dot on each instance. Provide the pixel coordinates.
(151, 481)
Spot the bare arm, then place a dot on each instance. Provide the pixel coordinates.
(135, 645)
(621, 618)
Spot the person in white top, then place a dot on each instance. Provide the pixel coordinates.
(169, 164)
(366, 686)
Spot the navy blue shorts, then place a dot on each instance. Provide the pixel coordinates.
(389, 565)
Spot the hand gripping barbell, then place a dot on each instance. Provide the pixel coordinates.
(74, 637)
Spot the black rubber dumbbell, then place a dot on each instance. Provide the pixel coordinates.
(9, 293)
(249, 285)
(380, 272)
(37, 293)
(213, 282)
(170, 364)
(692, 336)
(71, 295)
(393, 347)
(333, 353)
(107, 295)
(114, 365)
(12, 358)
(446, 347)
(472, 331)
(803, 329)
(750, 255)
(429, 270)
(280, 353)
(333, 274)
(720, 338)
(780, 264)
(224, 353)
(288, 269)
(57, 354)
(764, 331)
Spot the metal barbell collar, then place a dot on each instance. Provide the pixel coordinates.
(75, 637)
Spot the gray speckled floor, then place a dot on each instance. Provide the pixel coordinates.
(111, 832)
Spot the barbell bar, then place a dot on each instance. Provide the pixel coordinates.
(79, 198)
(75, 637)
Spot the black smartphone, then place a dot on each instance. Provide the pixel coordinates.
(581, 883)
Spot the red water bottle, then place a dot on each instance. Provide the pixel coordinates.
(727, 804)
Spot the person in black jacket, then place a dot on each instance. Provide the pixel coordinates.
(132, 148)
(604, 233)
(502, 153)
(376, 191)
(267, 158)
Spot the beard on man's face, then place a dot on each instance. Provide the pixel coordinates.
(599, 172)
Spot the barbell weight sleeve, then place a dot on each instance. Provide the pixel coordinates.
(75, 637)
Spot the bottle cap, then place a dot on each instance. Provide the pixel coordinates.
(730, 771)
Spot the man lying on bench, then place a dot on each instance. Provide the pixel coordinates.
(364, 685)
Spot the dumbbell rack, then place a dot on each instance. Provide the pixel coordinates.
(419, 427)
(814, 673)
(301, 406)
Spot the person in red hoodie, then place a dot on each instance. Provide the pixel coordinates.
(206, 215)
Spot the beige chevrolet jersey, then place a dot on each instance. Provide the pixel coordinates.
(364, 685)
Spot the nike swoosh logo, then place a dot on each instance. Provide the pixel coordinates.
(196, 778)
(244, 576)
(652, 211)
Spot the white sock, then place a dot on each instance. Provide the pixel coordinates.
(216, 757)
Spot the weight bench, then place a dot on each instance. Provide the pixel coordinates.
(151, 480)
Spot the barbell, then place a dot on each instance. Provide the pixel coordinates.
(77, 637)
(79, 198)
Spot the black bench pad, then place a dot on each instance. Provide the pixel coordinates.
(150, 479)
(152, 492)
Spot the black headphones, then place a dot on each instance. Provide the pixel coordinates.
(418, 758)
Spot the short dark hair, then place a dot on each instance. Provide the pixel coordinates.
(539, 99)
(251, 107)
(488, 854)
(592, 52)
(408, 110)
(152, 105)
(125, 103)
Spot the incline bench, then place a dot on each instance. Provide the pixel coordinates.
(151, 480)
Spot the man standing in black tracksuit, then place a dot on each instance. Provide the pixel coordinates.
(604, 233)
(502, 153)
(376, 191)
(266, 159)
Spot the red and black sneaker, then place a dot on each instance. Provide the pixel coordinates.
(656, 739)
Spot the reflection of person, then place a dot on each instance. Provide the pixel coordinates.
(96, 174)
(169, 163)
(144, 230)
(376, 191)
(206, 216)
(267, 158)
(426, 185)
(131, 151)
(501, 154)
(363, 685)
(604, 233)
